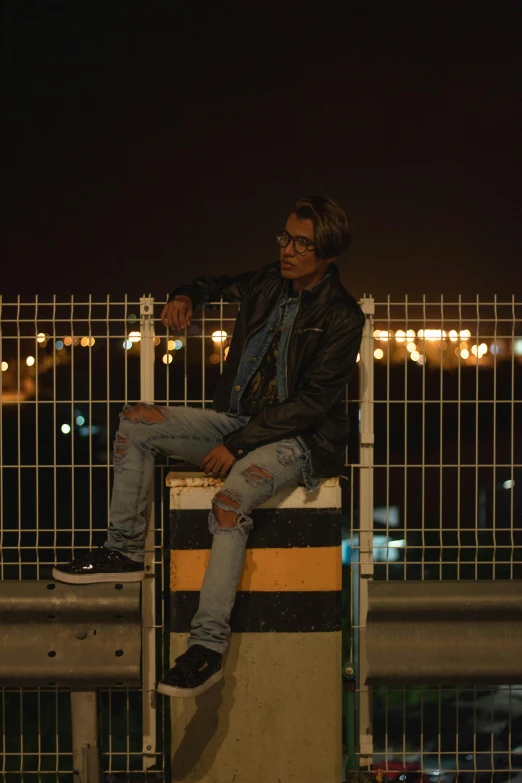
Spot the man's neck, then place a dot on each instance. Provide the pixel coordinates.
(301, 283)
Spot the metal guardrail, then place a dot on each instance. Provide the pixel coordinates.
(81, 637)
(439, 633)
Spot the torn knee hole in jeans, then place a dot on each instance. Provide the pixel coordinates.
(255, 475)
(120, 450)
(144, 413)
(228, 500)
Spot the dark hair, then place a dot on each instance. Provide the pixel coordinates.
(332, 227)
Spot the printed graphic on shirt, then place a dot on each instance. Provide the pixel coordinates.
(261, 390)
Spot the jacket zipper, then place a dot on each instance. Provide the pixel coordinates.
(287, 352)
(289, 338)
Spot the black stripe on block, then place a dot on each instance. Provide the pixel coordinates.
(273, 528)
(257, 612)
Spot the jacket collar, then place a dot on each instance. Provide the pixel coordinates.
(324, 289)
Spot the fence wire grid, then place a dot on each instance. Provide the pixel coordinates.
(441, 490)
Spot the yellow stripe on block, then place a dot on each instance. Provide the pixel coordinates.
(306, 569)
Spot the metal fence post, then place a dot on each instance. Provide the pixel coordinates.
(85, 735)
(366, 434)
(148, 634)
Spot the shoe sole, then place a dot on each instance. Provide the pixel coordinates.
(85, 579)
(185, 693)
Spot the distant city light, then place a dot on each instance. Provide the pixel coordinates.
(132, 318)
(127, 344)
(464, 353)
(517, 347)
(135, 337)
(40, 337)
(156, 341)
(509, 484)
(465, 333)
(410, 334)
(219, 337)
(67, 341)
(4, 366)
(170, 345)
(213, 358)
(59, 345)
(494, 349)
(384, 335)
(432, 334)
(378, 353)
(65, 428)
(29, 361)
(479, 350)
(92, 430)
(167, 358)
(453, 335)
(411, 347)
(80, 420)
(421, 360)
(400, 336)
(177, 345)
(87, 341)
(414, 356)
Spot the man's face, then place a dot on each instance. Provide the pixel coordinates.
(306, 269)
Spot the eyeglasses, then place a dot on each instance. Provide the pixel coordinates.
(301, 244)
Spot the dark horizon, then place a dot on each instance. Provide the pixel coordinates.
(149, 144)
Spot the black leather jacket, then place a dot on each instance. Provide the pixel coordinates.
(322, 350)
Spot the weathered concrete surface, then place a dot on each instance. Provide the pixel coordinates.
(274, 718)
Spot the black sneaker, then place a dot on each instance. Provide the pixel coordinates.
(195, 672)
(100, 565)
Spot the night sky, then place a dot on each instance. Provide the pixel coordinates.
(150, 142)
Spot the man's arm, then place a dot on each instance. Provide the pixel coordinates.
(210, 288)
(318, 390)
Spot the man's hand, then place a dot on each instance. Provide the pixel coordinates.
(177, 314)
(218, 461)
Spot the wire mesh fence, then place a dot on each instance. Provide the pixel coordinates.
(446, 398)
(440, 417)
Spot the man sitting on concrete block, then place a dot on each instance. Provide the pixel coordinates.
(277, 419)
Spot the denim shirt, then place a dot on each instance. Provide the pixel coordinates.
(283, 315)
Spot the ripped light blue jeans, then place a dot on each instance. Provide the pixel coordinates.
(190, 434)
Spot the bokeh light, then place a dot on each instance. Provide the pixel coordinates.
(219, 336)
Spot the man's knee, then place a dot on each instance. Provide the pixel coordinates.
(226, 517)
